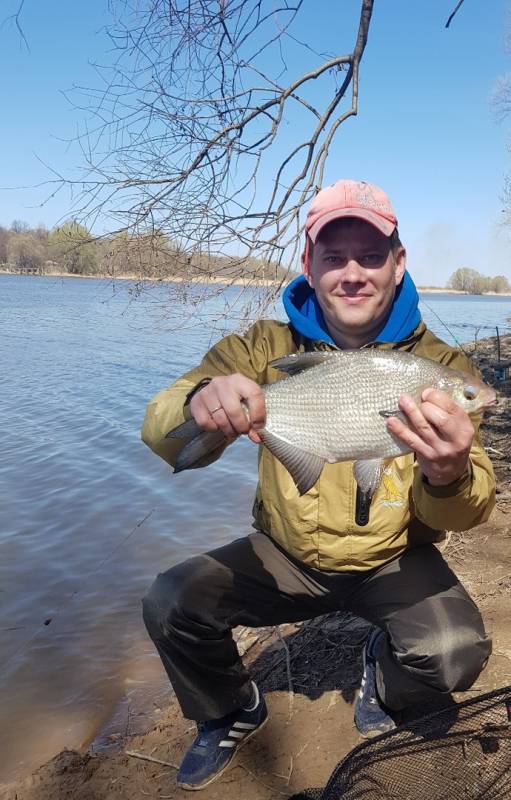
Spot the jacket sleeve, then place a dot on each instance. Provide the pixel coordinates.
(467, 501)
(248, 355)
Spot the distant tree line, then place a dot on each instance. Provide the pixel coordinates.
(472, 282)
(71, 248)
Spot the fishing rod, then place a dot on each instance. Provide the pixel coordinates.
(469, 355)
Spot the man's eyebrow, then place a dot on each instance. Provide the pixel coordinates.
(381, 246)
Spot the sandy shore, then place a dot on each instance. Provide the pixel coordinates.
(257, 282)
(440, 290)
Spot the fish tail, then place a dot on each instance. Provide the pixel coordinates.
(201, 444)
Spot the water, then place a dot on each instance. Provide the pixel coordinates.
(88, 515)
(463, 318)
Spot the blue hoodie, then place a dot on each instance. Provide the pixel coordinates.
(306, 316)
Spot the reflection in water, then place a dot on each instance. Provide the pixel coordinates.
(88, 515)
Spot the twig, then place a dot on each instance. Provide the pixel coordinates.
(143, 757)
(128, 721)
(288, 670)
(458, 6)
(291, 767)
(299, 753)
(266, 785)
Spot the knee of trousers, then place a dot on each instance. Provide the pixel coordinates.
(177, 596)
(448, 662)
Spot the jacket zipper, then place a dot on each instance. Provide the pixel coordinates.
(362, 507)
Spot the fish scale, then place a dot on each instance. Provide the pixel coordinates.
(336, 405)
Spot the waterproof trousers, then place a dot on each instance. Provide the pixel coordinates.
(435, 639)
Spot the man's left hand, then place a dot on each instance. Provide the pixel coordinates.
(439, 432)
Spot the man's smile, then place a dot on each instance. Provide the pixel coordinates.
(353, 299)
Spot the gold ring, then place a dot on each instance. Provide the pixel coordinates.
(212, 410)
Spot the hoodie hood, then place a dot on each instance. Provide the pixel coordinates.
(306, 316)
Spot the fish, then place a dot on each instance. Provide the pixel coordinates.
(333, 406)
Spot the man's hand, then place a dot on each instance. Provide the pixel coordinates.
(218, 406)
(440, 433)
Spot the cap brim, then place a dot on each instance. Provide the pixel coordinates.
(385, 226)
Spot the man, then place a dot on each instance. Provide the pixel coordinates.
(328, 549)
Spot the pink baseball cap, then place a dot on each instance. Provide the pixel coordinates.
(351, 199)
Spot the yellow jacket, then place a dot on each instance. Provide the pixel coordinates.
(319, 528)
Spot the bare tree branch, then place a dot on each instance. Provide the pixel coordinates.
(16, 17)
(195, 138)
(457, 8)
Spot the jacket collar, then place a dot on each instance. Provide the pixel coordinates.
(306, 316)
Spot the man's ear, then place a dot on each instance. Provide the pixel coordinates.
(400, 262)
(306, 264)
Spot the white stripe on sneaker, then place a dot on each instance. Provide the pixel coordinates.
(244, 726)
(226, 743)
(237, 734)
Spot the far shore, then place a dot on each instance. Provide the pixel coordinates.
(440, 290)
(171, 279)
(229, 282)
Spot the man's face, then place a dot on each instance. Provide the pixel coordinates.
(354, 274)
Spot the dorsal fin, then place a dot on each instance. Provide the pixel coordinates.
(297, 362)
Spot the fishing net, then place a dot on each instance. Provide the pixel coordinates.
(462, 752)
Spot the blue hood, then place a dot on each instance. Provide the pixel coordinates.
(307, 317)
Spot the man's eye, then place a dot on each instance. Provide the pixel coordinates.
(372, 259)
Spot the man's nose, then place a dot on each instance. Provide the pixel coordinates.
(352, 272)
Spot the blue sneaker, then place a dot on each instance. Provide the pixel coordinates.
(217, 742)
(371, 716)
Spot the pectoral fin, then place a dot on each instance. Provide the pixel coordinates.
(304, 468)
(386, 414)
(368, 474)
(393, 413)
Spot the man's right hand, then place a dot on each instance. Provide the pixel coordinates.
(218, 406)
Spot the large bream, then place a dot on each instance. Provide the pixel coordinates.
(334, 407)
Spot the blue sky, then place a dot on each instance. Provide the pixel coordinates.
(424, 132)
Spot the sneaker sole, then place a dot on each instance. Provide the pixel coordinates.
(197, 787)
(372, 733)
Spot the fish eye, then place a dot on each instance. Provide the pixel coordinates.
(469, 392)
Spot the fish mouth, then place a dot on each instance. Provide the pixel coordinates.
(491, 399)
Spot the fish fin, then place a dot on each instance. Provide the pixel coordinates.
(201, 444)
(187, 430)
(392, 413)
(304, 468)
(368, 474)
(298, 362)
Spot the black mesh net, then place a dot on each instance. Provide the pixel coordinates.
(462, 752)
